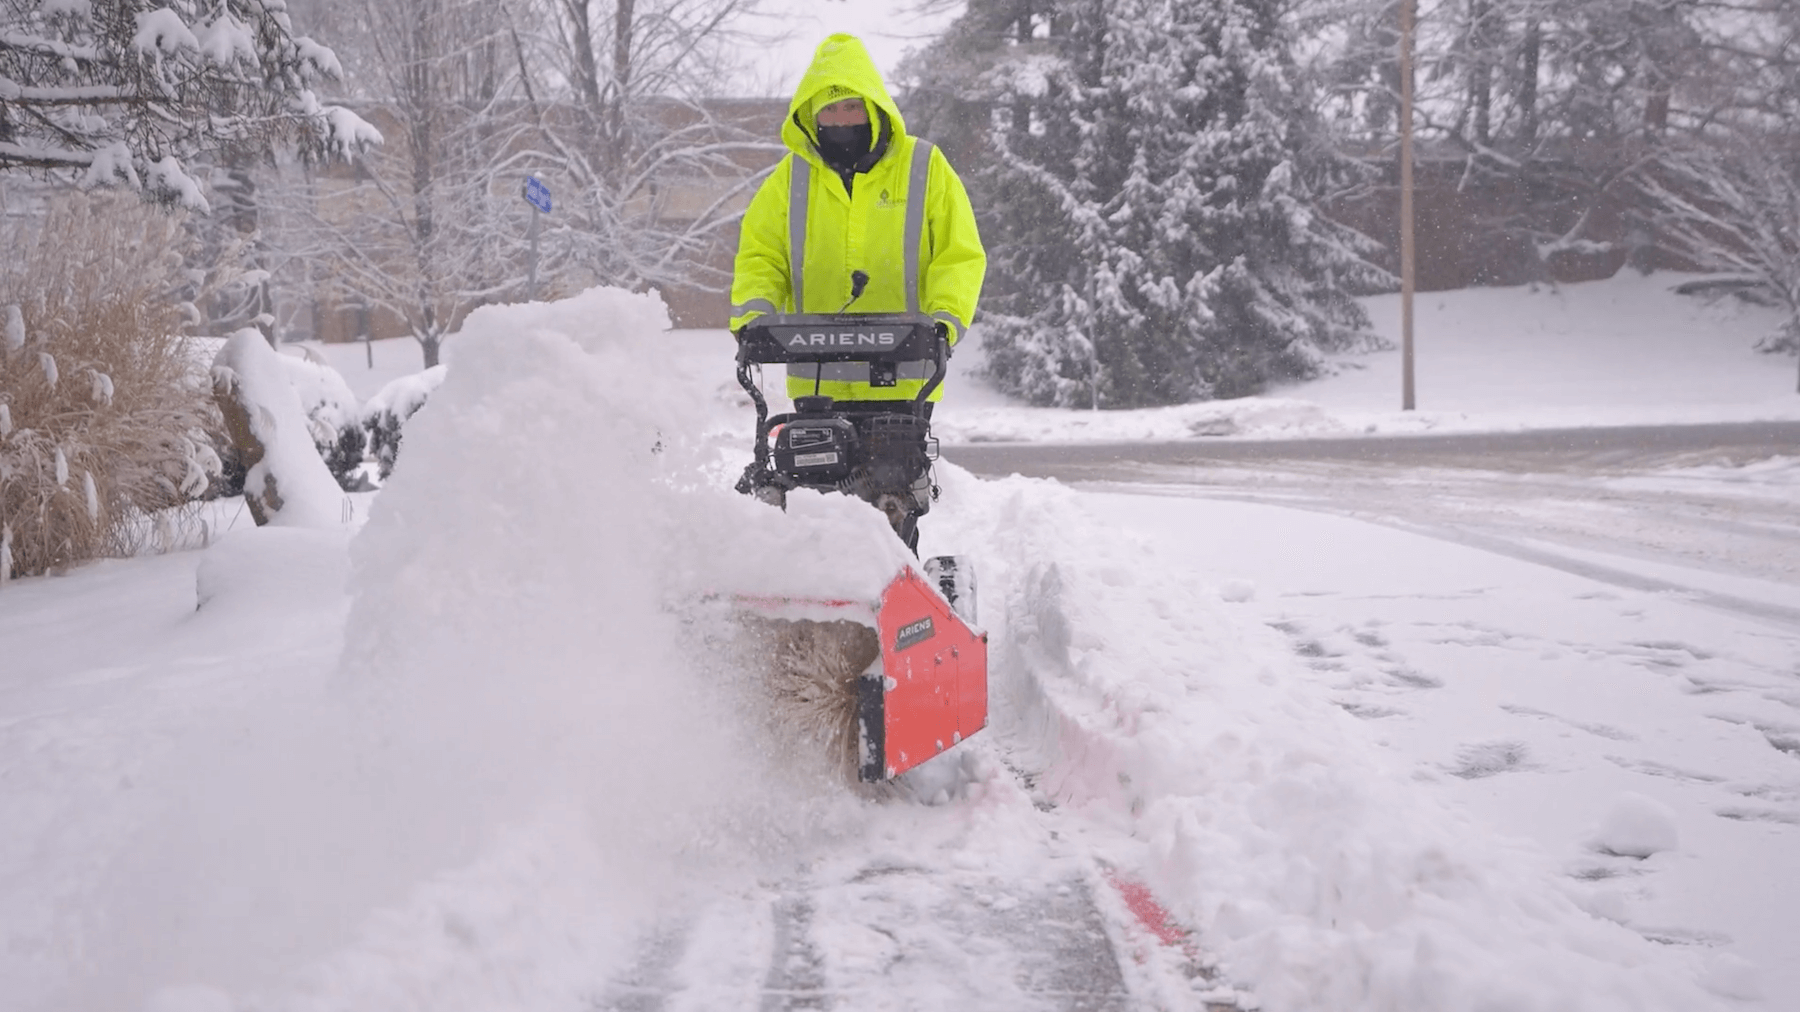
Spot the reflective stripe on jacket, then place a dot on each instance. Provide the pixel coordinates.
(804, 235)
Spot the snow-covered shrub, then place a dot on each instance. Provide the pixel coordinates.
(287, 483)
(345, 457)
(333, 416)
(102, 413)
(387, 412)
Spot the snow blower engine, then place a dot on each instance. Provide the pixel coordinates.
(879, 451)
(903, 678)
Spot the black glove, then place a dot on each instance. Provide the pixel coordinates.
(943, 333)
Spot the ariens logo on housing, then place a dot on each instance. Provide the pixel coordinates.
(914, 632)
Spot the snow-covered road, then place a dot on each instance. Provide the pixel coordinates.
(1708, 514)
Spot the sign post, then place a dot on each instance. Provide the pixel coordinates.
(1406, 205)
(538, 196)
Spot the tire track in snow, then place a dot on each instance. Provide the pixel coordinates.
(856, 933)
(796, 977)
(1766, 611)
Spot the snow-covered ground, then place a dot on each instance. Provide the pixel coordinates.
(1620, 352)
(478, 751)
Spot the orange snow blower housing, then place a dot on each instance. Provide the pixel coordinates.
(898, 680)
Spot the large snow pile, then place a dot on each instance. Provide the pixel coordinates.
(520, 650)
(528, 734)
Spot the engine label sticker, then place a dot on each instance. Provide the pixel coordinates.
(814, 459)
(914, 632)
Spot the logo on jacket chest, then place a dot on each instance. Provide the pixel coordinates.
(886, 201)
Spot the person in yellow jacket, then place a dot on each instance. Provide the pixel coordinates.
(857, 194)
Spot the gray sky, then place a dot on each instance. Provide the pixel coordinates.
(879, 23)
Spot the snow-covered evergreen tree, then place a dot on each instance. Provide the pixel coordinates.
(1152, 220)
(130, 90)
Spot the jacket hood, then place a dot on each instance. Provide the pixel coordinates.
(840, 62)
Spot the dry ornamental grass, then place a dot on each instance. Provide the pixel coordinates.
(103, 405)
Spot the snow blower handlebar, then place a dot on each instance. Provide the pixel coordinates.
(842, 337)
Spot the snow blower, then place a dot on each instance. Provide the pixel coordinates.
(885, 684)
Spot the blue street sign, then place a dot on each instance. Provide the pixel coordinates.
(537, 193)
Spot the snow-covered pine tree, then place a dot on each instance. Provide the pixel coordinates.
(1153, 222)
(128, 90)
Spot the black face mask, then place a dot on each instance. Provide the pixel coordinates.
(843, 146)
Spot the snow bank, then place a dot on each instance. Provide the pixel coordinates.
(1256, 809)
(1626, 351)
(303, 494)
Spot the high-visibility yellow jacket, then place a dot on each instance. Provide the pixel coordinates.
(804, 234)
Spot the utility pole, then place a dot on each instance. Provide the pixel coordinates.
(1407, 401)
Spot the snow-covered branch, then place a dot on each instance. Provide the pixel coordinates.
(1733, 205)
(131, 90)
